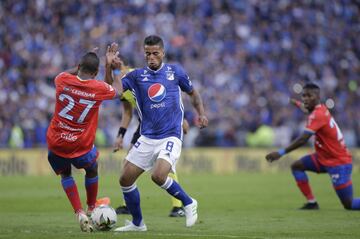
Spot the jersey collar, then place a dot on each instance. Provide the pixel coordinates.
(162, 65)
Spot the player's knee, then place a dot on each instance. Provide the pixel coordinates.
(92, 171)
(297, 165)
(66, 172)
(158, 178)
(65, 175)
(124, 181)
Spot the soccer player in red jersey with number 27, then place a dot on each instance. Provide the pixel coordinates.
(331, 155)
(72, 130)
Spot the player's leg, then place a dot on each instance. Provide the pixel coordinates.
(122, 208)
(169, 152)
(298, 168)
(88, 162)
(132, 197)
(160, 177)
(62, 166)
(341, 179)
(91, 186)
(177, 209)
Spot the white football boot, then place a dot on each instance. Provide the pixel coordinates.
(85, 225)
(130, 227)
(191, 213)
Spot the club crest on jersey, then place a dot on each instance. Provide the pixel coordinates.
(157, 92)
(170, 75)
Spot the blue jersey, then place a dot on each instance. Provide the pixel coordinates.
(158, 99)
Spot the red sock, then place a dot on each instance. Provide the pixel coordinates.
(91, 185)
(72, 193)
(305, 189)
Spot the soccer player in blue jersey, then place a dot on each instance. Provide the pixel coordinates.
(157, 89)
(128, 104)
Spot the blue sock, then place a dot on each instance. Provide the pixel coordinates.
(300, 175)
(346, 194)
(67, 182)
(355, 204)
(132, 200)
(175, 190)
(89, 181)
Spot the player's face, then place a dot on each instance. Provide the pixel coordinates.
(310, 98)
(154, 56)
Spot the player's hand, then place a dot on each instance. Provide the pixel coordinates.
(118, 144)
(116, 63)
(111, 53)
(272, 157)
(203, 121)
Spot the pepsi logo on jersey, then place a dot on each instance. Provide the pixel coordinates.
(157, 92)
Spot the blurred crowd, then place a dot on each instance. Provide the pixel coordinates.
(245, 57)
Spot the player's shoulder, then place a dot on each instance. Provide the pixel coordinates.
(320, 112)
(63, 76)
(99, 83)
(177, 67)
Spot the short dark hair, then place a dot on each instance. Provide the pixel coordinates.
(89, 63)
(153, 40)
(311, 86)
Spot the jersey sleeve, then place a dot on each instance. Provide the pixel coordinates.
(184, 80)
(316, 121)
(128, 81)
(127, 96)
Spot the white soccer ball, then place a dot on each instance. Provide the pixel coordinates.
(103, 218)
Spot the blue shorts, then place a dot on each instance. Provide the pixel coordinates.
(60, 164)
(340, 175)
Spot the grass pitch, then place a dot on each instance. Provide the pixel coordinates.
(245, 205)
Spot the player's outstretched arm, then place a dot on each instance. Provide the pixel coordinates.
(111, 53)
(198, 105)
(113, 65)
(299, 104)
(127, 112)
(300, 141)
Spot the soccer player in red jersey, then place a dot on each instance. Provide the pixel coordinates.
(331, 155)
(71, 134)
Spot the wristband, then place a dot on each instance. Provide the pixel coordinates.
(282, 152)
(298, 103)
(121, 132)
(116, 72)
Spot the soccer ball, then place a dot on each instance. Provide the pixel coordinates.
(103, 218)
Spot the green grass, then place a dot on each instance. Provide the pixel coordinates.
(245, 205)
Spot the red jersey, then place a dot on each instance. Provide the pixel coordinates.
(329, 141)
(73, 127)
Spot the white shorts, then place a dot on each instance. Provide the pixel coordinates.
(146, 151)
